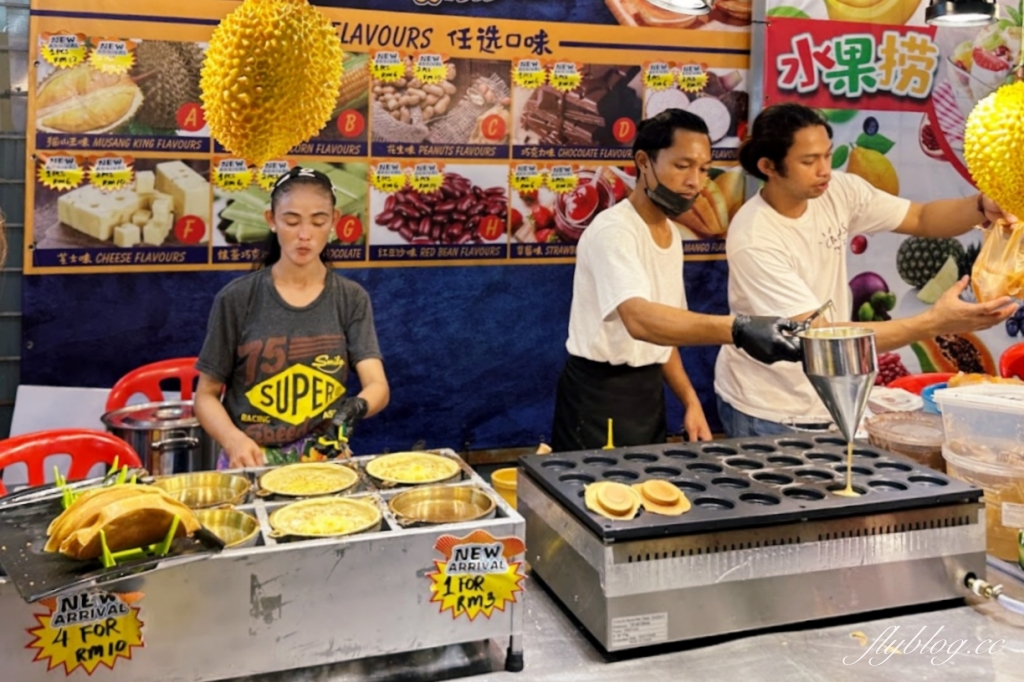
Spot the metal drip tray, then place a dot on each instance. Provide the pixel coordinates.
(746, 483)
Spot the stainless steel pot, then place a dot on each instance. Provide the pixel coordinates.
(166, 436)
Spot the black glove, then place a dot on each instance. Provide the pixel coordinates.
(765, 340)
(349, 414)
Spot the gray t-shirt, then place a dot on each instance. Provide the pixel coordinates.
(285, 367)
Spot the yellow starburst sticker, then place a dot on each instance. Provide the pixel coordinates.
(387, 66)
(113, 56)
(659, 75)
(62, 49)
(427, 177)
(529, 74)
(87, 629)
(231, 175)
(562, 178)
(430, 69)
(270, 172)
(693, 78)
(61, 171)
(565, 76)
(526, 177)
(389, 177)
(111, 172)
(477, 575)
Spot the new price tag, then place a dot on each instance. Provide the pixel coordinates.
(60, 172)
(388, 177)
(529, 73)
(430, 69)
(231, 175)
(659, 75)
(62, 49)
(87, 629)
(112, 56)
(270, 172)
(110, 172)
(692, 78)
(526, 178)
(387, 66)
(562, 179)
(565, 76)
(427, 178)
(477, 575)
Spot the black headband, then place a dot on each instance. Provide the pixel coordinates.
(308, 174)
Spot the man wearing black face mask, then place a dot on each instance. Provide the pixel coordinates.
(628, 313)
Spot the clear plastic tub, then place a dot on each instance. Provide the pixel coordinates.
(1004, 498)
(914, 434)
(984, 417)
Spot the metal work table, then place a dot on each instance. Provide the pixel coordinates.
(557, 651)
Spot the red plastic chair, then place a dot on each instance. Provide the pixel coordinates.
(147, 380)
(1011, 362)
(87, 448)
(915, 383)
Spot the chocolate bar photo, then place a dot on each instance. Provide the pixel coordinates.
(585, 116)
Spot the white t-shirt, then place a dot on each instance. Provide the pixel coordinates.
(616, 260)
(786, 267)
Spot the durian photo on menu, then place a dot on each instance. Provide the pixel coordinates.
(158, 96)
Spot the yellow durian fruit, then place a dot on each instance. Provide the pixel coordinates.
(994, 147)
(271, 77)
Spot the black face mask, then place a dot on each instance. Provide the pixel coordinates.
(671, 203)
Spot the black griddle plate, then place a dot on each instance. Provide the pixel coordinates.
(746, 483)
(38, 574)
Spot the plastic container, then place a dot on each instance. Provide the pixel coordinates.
(928, 395)
(915, 383)
(504, 482)
(984, 417)
(1004, 499)
(913, 434)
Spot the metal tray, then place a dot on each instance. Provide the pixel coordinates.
(746, 483)
(38, 574)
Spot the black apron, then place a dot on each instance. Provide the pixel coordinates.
(590, 393)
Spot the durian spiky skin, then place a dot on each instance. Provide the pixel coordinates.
(271, 77)
(169, 79)
(994, 147)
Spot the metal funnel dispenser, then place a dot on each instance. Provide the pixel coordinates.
(841, 364)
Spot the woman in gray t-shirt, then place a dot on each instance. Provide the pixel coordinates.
(281, 340)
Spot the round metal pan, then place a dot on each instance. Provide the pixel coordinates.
(285, 523)
(207, 489)
(412, 468)
(437, 505)
(326, 479)
(237, 529)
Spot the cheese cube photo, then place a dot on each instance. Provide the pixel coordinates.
(127, 236)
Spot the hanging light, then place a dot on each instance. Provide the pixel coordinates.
(960, 13)
(691, 7)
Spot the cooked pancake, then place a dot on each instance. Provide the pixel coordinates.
(412, 468)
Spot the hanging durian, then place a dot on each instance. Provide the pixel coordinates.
(271, 77)
(994, 147)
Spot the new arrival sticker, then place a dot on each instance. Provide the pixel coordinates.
(562, 178)
(270, 172)
(389, 177)
(526, 178)
(111, 172)
(231, 175)
(692, 78)
(659, 75)
(62, 49)
(430, 68)
(477, 575)
(565, 76)
(427, 177)
(59, 171)
(529, 73)
(113, 56)
(387, 66)
(86, 630)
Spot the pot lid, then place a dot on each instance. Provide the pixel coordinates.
(166, 415)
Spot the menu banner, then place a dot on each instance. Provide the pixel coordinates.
(483, 139)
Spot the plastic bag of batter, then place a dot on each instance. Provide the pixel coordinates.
(999, 270)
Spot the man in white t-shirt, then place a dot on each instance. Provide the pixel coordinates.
(787, 254)
(628, 313)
